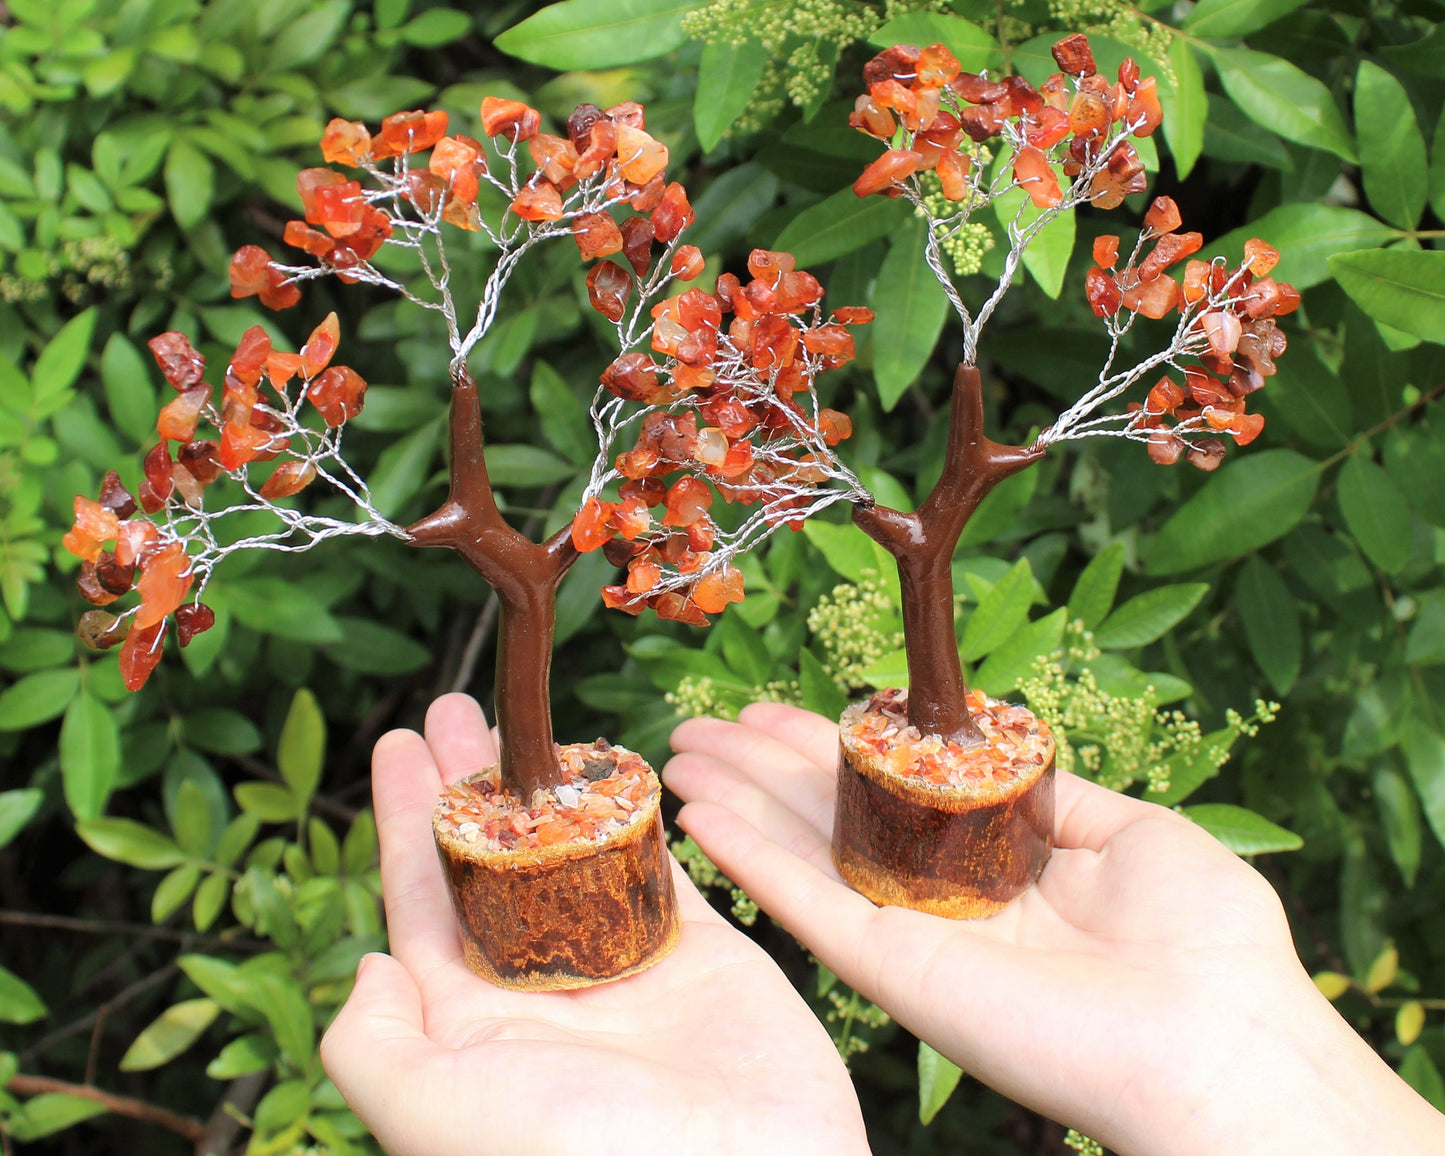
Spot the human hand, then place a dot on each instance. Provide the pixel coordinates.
(710, 1051)
(1145, 991)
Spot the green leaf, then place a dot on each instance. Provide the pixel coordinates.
(129, 842)
(128, 392)
(1187, 771)
(1415, 461)
(519, 465)
(221, 731)
(848, 550)
(1246, 504)
(1186, 106)
(190, 183)
(1229, 135)
(1242, 831)
(1392, 150)
(309, 37)
(1118, 677)
(937, 1077)
(16, 809)
(744, 650)
(1012, 661)
(436, 27)
(1376, 512)
(63, 357)
(18, 1002)
(174, 890)
(595, 34)
(1093, 593)
(726, 78)
(371, 648)
(1419, 1071)
(191, 821)
(1229, 19)
(1437, 164)
(276, 606)
(564, 418)
(728, 207)
(840, 224)
(911, 307)
(37, 698)
(268, 802)
(1047, 255)
(820, 693)
(358, 849)
(279, 998)
(89, 755)
(302, 747)
(1307, 236)
(974, 48)
(1400, 817)
(999, 510)
(376, 96)
(403, 467)
(169, 1034)
(1311, 398)
(1148, 616)
(1000, 612)
(1284, 99)
(209, 899)
(1425, 760)
(243, 1055)
(1405, 288)
(1383, 971)
(1271, 622)
(48, 1113)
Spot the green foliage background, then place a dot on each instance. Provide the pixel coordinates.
(142, 140)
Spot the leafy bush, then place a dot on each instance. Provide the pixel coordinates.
(147, 139)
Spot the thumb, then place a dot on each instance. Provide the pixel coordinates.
(378, 1034)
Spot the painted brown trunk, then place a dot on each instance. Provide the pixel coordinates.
(569, 915)
(566, 915)
(909, 843)
(939, 849)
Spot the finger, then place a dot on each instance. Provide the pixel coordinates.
(807, 795)
(726, 787)
(778, 768)
(379, 1033)
(461, 743)
(811, 735)
(405, 784)
(1088, 815)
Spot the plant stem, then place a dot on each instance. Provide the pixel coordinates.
(191, 1129)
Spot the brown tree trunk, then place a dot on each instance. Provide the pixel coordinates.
(525, 575)
(923, 543)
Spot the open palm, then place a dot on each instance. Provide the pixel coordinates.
(710, 1051)
(1146, 990)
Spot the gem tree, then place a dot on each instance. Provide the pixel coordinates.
(729, 412)
(1068, 146)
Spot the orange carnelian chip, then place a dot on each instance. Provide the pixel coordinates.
(597, 235)
(893, 166)
(338, 394)
(94, 524)
(1163, 215)
(687, 262)
(640, 157)
(409, 132)
(1260, 257)
(510, 118)
(1106, 251)
(140, 653)
(456, 161)
(320, 347)
(178, 361)
(289, 478)
(834, 426)
(165, 578)
(673, 214)
(346, 142)
(1032, 170)
(538, 201)
(608, 285)
(591, 527)
(177, 419)
(714, 591)
(687, 500)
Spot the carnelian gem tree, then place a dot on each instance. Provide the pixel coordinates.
(1066, 145)
(686, 413)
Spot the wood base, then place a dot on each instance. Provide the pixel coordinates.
(936, 848)
(568, 915)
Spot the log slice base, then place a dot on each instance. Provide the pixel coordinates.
(567, 914)
(963, 847)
